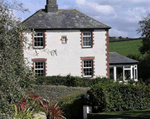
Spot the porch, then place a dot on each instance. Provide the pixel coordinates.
(122, 68)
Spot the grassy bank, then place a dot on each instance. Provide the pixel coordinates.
(126, 47)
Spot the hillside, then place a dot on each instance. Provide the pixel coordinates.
(125, 47)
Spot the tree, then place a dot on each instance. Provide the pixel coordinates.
(145, 33)
(15, 76)
(120, 37)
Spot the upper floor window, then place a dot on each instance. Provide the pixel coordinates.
(64, 39)
(87, 39)
(39, 40)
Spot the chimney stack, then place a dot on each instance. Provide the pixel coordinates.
(51, 6)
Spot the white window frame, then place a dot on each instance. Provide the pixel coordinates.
(88, 68)
(39, 68)
(85, 37)
(40, 47)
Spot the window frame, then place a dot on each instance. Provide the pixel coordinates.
(90, 46)
(88, 76)
(92, 58)
(39, 47)
(39, 68)
(40, 60)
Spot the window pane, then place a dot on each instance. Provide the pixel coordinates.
(39, 34)
(88, 63)
(39, 39)
(39, 68)
(87, 40)
(87, 71)
(88, 67)
(86, 33)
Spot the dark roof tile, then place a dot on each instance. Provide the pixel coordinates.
(115, 58)
(65, 19)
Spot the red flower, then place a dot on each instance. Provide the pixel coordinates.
(22, 105)
(31, 95)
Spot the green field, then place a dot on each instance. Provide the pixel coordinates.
(126, 47)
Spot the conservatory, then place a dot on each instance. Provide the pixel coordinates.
(122, 69)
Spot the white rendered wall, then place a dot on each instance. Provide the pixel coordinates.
(68, 56)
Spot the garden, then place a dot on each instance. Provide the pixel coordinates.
(22, 94)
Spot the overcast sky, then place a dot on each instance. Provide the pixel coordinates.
(122, 15)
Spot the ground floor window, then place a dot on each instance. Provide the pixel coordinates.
(87, 66)
(39, 66)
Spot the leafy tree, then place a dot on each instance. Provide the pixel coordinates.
(15, 76)
(120, 37)
(145, 33)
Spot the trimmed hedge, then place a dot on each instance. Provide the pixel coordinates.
(119, 97)
(69, 81)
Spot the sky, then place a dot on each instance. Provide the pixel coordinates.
(122, 15)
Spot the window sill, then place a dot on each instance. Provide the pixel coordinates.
(87, 47)
(38, 47)
(87, 76)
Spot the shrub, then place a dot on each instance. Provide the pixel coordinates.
(26, 114)
(70, 81)
(118, 97)
(72, 105)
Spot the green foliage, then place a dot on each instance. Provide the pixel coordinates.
(118, 97)
(15, 77)
(72, 105)
(143, 68)
(144, 30)
(69, 80)
(26, 114)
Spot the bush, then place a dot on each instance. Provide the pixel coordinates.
(72, 105)
(70, 81)
(119, 97)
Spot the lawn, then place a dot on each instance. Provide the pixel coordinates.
(136, 113)
(125, 47)
(58, 92)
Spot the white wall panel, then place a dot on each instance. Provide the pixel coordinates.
(68, 56)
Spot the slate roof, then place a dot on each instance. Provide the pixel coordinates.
(115, 58)
(63, 19)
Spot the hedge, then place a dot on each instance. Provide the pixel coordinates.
(119, 97)
(69, 81)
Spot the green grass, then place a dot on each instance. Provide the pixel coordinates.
(58, 92)
(126, 47)
(136, 113)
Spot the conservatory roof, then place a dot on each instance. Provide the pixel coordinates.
(115, 58)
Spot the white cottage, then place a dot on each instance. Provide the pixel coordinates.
(82, 43)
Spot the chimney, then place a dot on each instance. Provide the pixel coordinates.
(51, 6)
